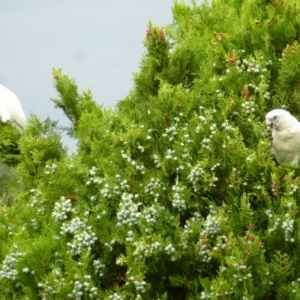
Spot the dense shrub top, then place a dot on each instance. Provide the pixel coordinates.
(173, 194)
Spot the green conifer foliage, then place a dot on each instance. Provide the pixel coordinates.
(174, 193)
(9, 137)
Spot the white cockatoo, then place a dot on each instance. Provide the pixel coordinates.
(285, 136)
(10, 109)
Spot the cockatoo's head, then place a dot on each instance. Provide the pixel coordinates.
(11, 110)
(279, 119)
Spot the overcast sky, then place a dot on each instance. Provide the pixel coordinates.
(97, 42)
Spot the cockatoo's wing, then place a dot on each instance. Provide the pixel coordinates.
(285, 136)
(11, 109)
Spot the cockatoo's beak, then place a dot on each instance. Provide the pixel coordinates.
(269, 122)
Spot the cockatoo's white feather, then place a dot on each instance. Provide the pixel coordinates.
(285, 136)
(10, 109)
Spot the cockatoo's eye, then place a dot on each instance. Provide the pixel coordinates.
(275, 119)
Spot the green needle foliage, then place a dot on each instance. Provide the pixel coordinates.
(173, 194)
(9, 149)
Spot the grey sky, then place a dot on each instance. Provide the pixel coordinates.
(97, 42)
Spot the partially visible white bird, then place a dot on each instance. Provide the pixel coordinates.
(285, 136)
(10, 109)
